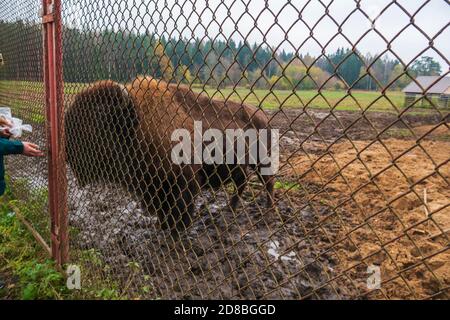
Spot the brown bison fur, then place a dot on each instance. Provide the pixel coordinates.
(122, 134)
(225, 115)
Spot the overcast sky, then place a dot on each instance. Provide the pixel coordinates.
(276, 22)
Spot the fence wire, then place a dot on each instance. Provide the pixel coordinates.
(22, 89)
(360, 205)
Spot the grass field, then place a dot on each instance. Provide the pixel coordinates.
(339, 100)
(326, 99)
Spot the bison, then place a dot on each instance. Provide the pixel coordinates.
(121, 134)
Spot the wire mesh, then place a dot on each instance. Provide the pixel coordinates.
(22, 89)
(360, 202)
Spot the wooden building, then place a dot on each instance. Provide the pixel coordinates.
(431, 87)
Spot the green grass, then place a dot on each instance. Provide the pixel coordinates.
(271, 100)
(31, 273)
(284, 185)
(339, 100)
(36, 276)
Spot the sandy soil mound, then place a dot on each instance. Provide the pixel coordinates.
(391, 197)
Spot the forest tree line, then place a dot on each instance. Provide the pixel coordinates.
(122, 55)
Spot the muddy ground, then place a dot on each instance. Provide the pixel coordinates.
(353, 192)
(8, 283)
(326, 230)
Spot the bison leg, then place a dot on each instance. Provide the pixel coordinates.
(240, 179)
(183, 210)
(172, 201)
(239, 189)
(269, 183)
(177, 208)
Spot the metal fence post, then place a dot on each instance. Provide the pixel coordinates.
(57, 184)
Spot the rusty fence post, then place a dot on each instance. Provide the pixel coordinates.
(53, 82)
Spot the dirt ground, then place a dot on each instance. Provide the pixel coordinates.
(353, 192)
(394, 214)
(8, 283)
(346, 202)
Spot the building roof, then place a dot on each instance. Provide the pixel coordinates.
(442, 86)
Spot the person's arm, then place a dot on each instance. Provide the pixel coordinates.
(14, 146)
(10, 146)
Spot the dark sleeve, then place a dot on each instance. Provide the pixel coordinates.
(10, 146)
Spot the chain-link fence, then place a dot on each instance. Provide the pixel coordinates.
(357, 92)
(22, 89)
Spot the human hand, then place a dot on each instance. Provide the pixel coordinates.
(5, 133)
(5, 122)
(31, 150)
